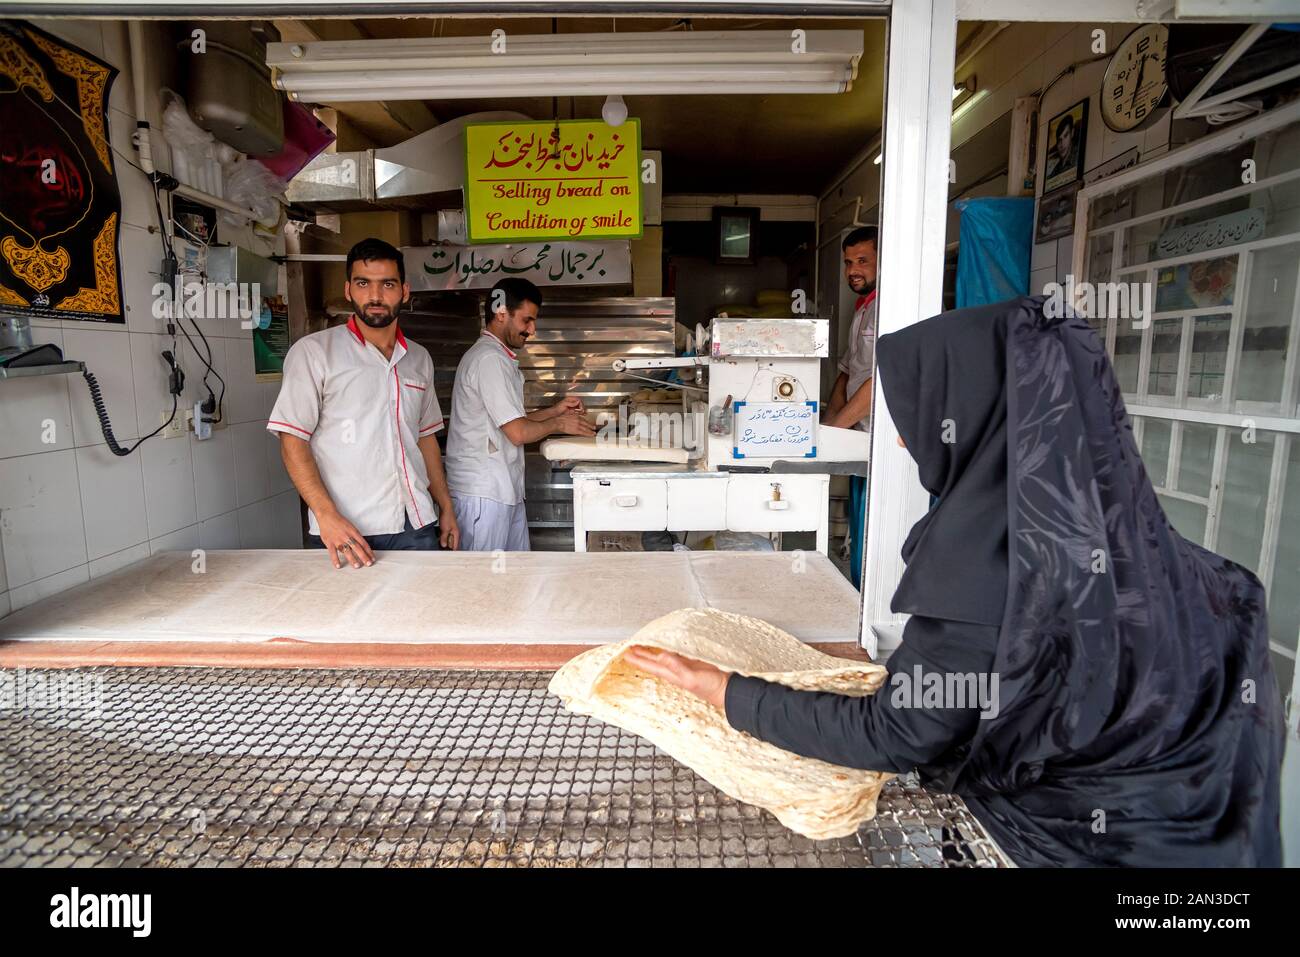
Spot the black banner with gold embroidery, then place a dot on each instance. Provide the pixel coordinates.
(59, 205)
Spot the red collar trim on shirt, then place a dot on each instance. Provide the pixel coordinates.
(864, 300)
(352, 328)
(499, 342)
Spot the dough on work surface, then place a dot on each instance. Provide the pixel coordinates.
(811, 797)
(586, 448)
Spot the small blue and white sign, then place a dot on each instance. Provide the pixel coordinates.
(775, 430)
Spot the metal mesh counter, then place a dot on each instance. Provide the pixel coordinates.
(178, 767)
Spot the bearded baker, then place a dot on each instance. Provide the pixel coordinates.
(489, 427)
(358, 422)
(850, 405)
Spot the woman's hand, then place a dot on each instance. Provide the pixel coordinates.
(698, 677)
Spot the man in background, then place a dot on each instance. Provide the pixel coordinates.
(489, 427)
(850, 403)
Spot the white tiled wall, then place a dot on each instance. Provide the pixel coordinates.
(1022, 60)
(70, 510)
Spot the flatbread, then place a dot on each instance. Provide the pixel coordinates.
(811, 797)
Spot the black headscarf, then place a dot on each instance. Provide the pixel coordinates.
(1140, 722)
(945, 386)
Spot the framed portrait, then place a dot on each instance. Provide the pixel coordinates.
(1056, 213)
(1067, 135)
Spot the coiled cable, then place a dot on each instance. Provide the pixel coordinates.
(101, 411)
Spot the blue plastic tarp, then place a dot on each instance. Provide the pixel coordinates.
(997, 235)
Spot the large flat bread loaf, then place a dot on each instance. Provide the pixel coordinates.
(813, 798)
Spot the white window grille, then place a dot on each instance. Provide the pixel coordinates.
(1210, 373)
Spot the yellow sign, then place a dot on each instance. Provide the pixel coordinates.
(578, 179)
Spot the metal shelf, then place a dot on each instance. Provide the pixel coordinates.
(58, 368)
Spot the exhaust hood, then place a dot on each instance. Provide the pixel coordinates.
(427, 172)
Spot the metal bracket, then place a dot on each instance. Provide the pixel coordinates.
(1197, 103)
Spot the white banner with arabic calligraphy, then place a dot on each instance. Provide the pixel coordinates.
(1242, 226)
(554, 263)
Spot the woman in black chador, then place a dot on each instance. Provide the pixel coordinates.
(1136, 719)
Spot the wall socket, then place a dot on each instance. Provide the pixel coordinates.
(179, 427)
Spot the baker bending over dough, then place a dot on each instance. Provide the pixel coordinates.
(489, 427)
(1136, 719)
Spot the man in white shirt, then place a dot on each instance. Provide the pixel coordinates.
(358, 420)
(489, 427)
(850, 405)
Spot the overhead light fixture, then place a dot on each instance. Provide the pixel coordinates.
(688, 62)
(967, 104)
(878, 158)
(614, 111)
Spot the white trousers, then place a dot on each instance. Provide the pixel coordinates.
(488, 526)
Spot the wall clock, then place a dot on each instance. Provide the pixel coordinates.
(1135, 80)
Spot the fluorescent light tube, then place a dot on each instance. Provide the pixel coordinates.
(714, 61)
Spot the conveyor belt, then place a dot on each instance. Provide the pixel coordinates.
(174, 767)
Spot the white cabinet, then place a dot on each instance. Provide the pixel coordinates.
(697, 504)
(714, 501)
(621, 504)
(777, 503)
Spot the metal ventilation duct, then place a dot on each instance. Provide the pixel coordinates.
(427, 172)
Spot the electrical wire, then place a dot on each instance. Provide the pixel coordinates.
(201, 243)
(103, 140)
(1067, 71)
(96, 395)
(1231, 112)
(169, 255)
(207, 362)
(98, 140)
(219, 399)
(105, 426)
